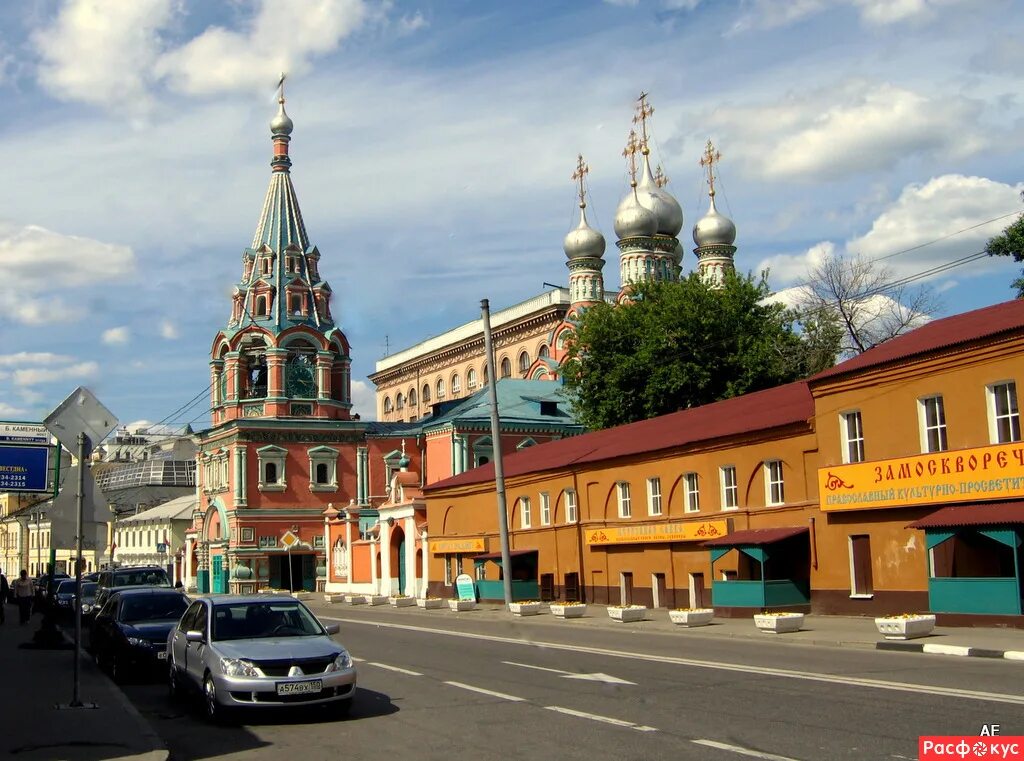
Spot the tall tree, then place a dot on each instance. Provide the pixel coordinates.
(681, 344)
(1010, 243)
(864, 299)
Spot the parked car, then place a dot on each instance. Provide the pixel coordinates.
(64, 594)
(94, 576)
(40, 582)
(257, 651)
(89, 609)
(135, 576)
(130, 631)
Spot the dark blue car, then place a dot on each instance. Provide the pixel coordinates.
(129, 633)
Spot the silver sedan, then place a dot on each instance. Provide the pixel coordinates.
(258, 651)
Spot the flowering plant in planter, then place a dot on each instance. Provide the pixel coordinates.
(568, 609)
(778, 622)
(905, 625)
(430, 603)
(627, 613)
(691, 616)
(401, 601)
(526, 607)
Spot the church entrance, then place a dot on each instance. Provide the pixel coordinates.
(398, 557)
(293, 571)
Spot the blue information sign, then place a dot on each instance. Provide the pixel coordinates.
(24, 468)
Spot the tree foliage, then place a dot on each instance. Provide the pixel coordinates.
(1010, 243)
(684, 344)
(864, 299)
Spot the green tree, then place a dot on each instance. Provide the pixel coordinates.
(684, 344)
(1010, 243)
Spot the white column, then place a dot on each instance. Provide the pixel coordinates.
(385, 562)
(411, 582)
(426, 564)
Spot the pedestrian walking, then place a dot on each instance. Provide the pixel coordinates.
(5, 593)
(23, 594)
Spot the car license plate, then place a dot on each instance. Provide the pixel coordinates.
(300, 688)
(161, 655)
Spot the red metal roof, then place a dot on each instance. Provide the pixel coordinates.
(982, 514)
(761, 410)
(937, 334)
(756, 536)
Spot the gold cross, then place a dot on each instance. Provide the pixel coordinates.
(643, 113)
(630, 151)
(709, 159)
(581, 171)
(280, 87)
(660, 179)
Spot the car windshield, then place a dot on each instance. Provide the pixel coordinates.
(140, 577)
(253, 620)
(89, 588)
(66, 587)
(140, 608)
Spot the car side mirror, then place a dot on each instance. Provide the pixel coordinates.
(332, 629)
(194, 636)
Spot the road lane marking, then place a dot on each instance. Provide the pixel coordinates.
(597, 676)
(538, 668)
(394, 668)
(358, 660)
(604, 719)
(482, 691)
(742, 751)
(876, 684)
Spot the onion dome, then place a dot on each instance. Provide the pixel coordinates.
(584, 241)
(282, 123)
(632, 220)
(714, 229)
(667, 212)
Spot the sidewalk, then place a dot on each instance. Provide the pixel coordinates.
(829, 631)
(34, 728)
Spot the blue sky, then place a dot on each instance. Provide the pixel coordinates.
(433, 148)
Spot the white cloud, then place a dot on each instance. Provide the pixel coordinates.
(116, 336)
(147, 426)
(364, 400)
(623, 3)
(412, 23)
(7, 410)
(33, 376)
(680, 5)
(279, 37)
(33, 358)
(102, 52)
(169, 330)
(837, 131)
(772, 14)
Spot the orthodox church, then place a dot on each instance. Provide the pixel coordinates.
(530, 338)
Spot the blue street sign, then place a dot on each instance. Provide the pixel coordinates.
(24, 468)
(161, 548)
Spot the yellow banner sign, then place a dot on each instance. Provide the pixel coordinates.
(963, 475)
(693, 531)
(465, 544)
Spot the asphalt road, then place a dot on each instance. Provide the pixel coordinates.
(439, 688)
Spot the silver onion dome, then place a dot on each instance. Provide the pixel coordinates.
(584, 240)
(632, 220)
(714, 229)
(282, 123)
(666, 209)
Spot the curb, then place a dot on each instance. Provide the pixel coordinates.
(960, 650)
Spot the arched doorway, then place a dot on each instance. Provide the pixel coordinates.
(397, 550)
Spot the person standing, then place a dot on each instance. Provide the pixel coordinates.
(23, 593)
(5, 592)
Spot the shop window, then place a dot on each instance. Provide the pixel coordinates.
(853, 437)
(933, 424)
(775, 493)
(1004, 415)
(570, 506)
(545, 509)
(691, 492)
(654, 496)
(860, 566)
(730, 489)
(625, 503)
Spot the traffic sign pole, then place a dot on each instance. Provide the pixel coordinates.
(76, 701)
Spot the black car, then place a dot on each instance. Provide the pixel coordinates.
(129, 634)
(134, 576)
(64, 594)
(89, 589)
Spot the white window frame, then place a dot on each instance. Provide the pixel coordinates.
(470, 379)
(323, 456)
(654, 496)
(853, 440)
(625, 499)
(545, 509)
(456, 384)
(277, 456)
(439, 392)
(571, 506)
(525, 519)
(726, 488)
(691, 492)
(940, 425)
(771, 482)
(993, 392)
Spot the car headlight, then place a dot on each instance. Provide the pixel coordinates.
(237, 667)
(342, 661)
(86, 607)
(138, 642)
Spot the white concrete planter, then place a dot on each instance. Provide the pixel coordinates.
(462, 604)
(401, 602)
(430, 603)
(355, 599)
(302, 595)
(905, 628)
(568, 611)
(780, 623)
(627, 615)
(692, 617)
(336, 598)
(377, 599)
(527, 608)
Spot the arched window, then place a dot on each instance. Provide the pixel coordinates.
(261, 306)
(387, 404)
(544, 352)
(471, 379)
(399, 402)
(412, 397)
(300, 371)
(486, 375)
(524, 362)
(270, 473)
(426, 393)
(456, 384)
(506, 368)
(440, 388)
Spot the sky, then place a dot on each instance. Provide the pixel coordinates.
(432, 154)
